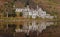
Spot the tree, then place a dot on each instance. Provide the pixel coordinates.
(12, 14)
(9, 10)
(21, 14)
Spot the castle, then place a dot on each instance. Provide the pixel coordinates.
(27, 12)
(34, 13)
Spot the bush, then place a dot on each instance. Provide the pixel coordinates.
(21, 14)
(30, 17)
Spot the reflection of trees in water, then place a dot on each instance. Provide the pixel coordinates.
(11, 27)
(25, 26)
(29, 25)
(21, 26)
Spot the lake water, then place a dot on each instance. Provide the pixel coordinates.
(25, 26)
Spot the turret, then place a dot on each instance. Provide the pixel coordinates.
(37, 6)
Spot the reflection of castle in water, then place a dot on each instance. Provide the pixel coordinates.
(33, 25)
(26, 26)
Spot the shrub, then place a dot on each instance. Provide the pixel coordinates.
(21, 14)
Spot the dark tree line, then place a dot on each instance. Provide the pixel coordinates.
(9, 11)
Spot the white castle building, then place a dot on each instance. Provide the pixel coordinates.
(27, 12)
